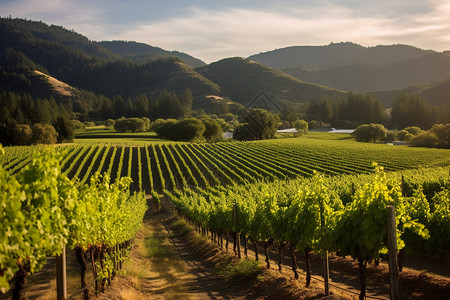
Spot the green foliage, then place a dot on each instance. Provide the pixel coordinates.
(414, 130)
(22, 134)
(362, 226)
(42, 210)
(64, 129)
(370, 132)
(132, 124)
(76, 124)
(140, 53)
(390, 136)
(362, 108)
(32, 218)
(110, 123)
(411, 110)
(437, 137)
(257, 124)
(243, 270)
(301, 126)
(213, 129)
(309, 212)
(43, 134)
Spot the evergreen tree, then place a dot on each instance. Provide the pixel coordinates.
(411, 110)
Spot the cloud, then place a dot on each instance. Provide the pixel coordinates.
(212, 35)
(212, 32)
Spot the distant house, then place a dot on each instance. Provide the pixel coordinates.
(227, 135)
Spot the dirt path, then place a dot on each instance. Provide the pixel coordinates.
(164, 266)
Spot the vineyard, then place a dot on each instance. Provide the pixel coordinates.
(175, 166)
(306, 195)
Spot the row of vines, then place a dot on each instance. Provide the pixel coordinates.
(344, 214)
(157, 168)
(44, 211)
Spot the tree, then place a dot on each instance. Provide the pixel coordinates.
(258, 124)
(130, 124)
(362, 108)
(22, 134)
(147, 124)
(188, 130)
(288, 112)
(64, 129)
(370, 132)
(164, 128)
(411, 110)
(213, 130)
(44, 134)
(321, 109)
(414, 130)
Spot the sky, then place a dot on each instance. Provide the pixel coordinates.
(213, 30)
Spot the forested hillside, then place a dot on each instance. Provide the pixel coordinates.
(363, 77)
(140, 52)
(335, 55)
(242, 79)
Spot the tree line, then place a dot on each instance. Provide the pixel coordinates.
(357, 109)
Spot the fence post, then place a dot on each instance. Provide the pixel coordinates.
(392, 244)
(61, 283)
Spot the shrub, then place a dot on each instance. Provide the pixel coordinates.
(131, 124)
(438, 136)
(390, 136)
(301, 126)
(76, 124)
(414, 130)
(110, 123)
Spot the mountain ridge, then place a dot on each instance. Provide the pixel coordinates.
(335, 54)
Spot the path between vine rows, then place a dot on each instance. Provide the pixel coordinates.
(187, 270)
(197, 278)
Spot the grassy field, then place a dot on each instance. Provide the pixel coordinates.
(102, 134)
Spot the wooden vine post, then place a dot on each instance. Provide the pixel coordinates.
(392, 244)
(61, 282)
(238, 238)
(326, 269)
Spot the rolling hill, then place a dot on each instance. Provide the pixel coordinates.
(363, 77)
(351, 67)
(26, 46)
(438, 94)
(242, 80)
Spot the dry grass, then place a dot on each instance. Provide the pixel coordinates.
(58, 86)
